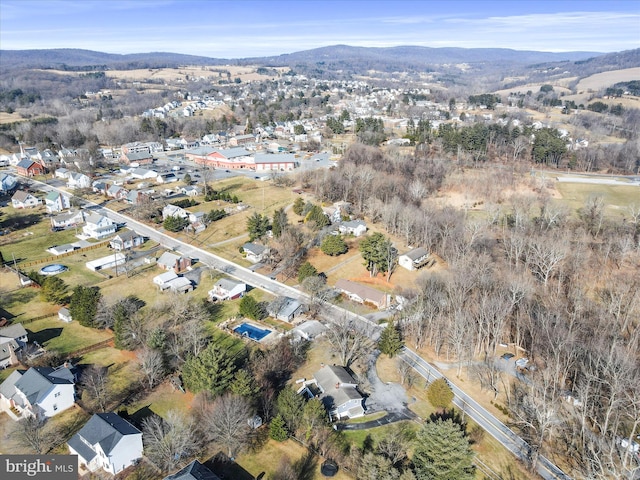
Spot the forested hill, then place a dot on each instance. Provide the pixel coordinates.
(337, 56)
(77, 59)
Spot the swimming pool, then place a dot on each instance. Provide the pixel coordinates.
(252, 332)
(53, 269)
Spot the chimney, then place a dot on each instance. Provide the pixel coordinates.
(337, 385)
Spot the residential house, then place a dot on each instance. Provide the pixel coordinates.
(180, 285)
(171, 261)
(39, 391)
(98, 226)
(13, 338)
(49, 159)
(65, 315)
(168, 177)
(7, 183)
(138, 159)
(254, 252)
(78, 180)
(117, 192)
(353, 227)
(29, 168)
(308, 330)
(62, 249)
(414, 259)
(240, 140)
(163, 279)
(190, 191)
(143, 174)
(227, 289)
(126, 240)
(174, 211)
(138, 197)
(56, 201)
(61, 172)
(286, 308)
(22, 199)
(108, 442)
(69, 219)
(338, 392)
(194, 471)
(363, 293)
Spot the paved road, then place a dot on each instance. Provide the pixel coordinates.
(496, 428)
(486, 420)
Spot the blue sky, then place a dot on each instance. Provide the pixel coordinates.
(244, 28)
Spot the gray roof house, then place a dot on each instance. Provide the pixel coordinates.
(126, 240)
(227, 289)
(338, 392)
(12, 339)
(194, 471)
(414, 259)
(254, 252)
(286, 308)
(363, 293)
(107, 441)
(40, 391)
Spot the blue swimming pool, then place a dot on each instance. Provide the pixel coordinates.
(53, 269)
(254, 333)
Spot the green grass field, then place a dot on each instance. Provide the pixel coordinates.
(616, 197)
(63, 337)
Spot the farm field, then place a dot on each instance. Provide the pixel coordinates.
(616, 197)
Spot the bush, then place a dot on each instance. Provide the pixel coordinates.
(440, 394)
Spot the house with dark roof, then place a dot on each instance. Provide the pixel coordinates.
(28, 168)
(13, 338)
(22, 199)
(363, 293)
(126, 240)
(254, 252)
(108, 442)
(194, 471)
(39, 391)
(337, 390)
(414, 259)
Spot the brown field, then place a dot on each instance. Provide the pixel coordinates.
(10, 117)
(558, 87)
(607, 79)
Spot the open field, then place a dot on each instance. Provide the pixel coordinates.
(10, 117)
(65, 338)
(616, 197)
(607, 79)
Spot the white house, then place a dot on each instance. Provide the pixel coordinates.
(126, 240)
(7, 182)
(22, 199)
(78, 180)
(338, 392)
(40, 391)
(107, 441)
(174, 211)
(69, 219)
(254, 252)
(56, 202)
(353, 227)
(414, 259)
(98, 226)
(163, 279)
(227, 289)
(190, 191)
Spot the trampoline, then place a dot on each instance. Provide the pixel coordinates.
(53, 269)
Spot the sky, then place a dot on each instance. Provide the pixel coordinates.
(246, 28)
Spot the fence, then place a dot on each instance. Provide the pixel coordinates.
(62, 255)
(96, 346)
(49, 315)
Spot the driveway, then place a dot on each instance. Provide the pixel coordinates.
(385, 397)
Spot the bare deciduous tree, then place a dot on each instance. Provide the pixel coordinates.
(95, 383)
(168, 440)
(226, 422)
(152, 366)
(348, 340)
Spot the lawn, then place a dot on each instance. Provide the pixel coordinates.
(616, 197)
(268, 458)
(64, 337)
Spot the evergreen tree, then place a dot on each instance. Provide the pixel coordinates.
(298, 206)
(244, 385)
(306, 270)
(442, 452)
(290, 407)
(333, 245)
(379, 254)
(390, 342)
(278, 429)
(212, 370)
(175, 224)
(257, 226)
(84, 305)
(250, 308)
(280, 222)
(54, 290)
(440, 394)
(317, 217)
